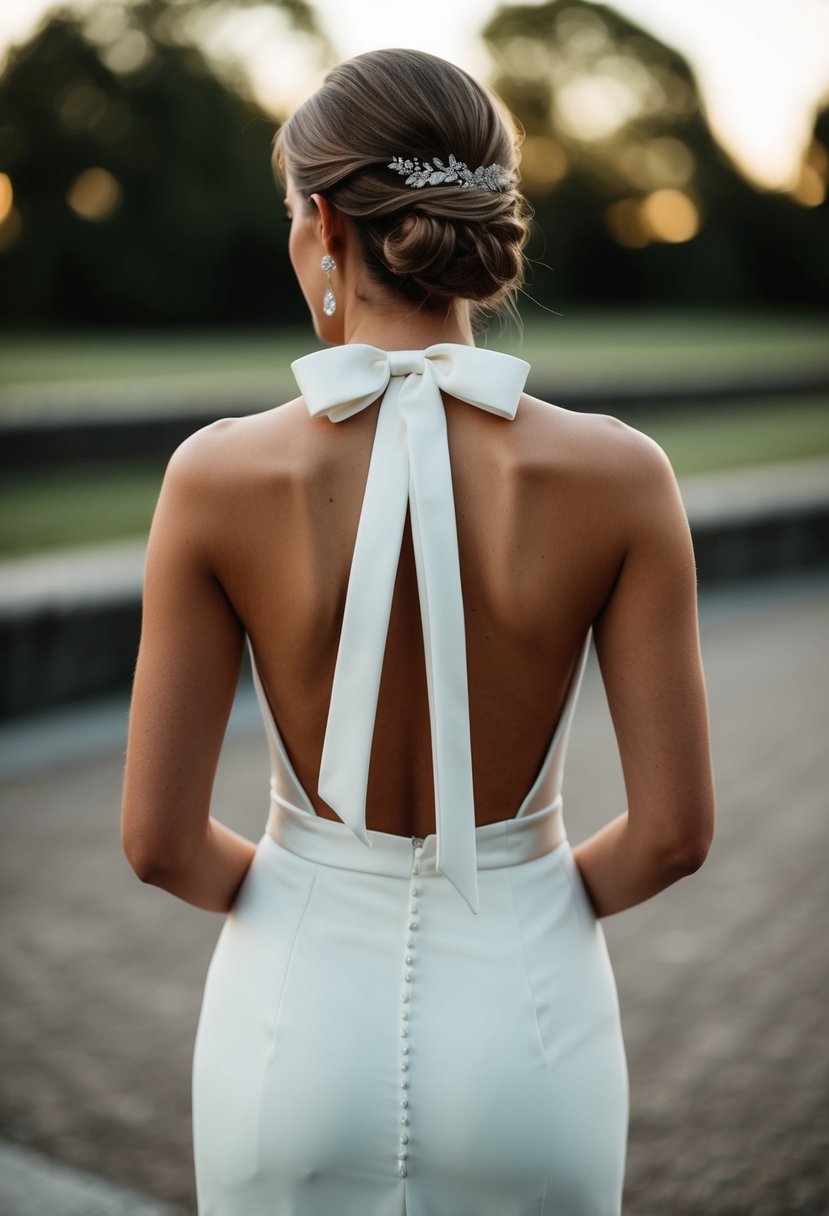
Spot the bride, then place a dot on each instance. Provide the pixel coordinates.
(411, 1008)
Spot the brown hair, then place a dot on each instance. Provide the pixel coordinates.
(431, 244)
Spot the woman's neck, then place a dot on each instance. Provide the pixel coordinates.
(410, 328)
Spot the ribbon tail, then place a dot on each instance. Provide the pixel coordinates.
(435, 542)
(346, 751)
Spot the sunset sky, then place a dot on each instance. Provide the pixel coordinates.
(762, 65)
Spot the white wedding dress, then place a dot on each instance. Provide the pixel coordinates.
(394, 1025)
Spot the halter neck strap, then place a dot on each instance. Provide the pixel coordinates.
(409, 467)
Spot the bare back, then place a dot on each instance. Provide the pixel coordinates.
(542, 532)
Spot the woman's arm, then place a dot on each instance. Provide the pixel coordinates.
(185, 679)
(647, 642)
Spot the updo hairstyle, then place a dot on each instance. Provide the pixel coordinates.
(430, 244)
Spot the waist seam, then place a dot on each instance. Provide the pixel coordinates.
(506, 842)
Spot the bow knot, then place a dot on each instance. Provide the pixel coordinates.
(409, 469)
(406, 362)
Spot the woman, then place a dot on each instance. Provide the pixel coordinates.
(411, 1007)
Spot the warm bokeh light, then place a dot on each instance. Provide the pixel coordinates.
(818, 158)
(94, 194)
(663, 215)
(11, 222)
(6, 197)
(623, 221)
(810, 186)
(128, 53)
(594, 107)
(664, 161)
(10, 230)
(810, 191)
(543, 163)
(670, 215)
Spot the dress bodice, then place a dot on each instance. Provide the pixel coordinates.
(409, 470)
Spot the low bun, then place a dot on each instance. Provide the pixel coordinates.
(433, 243)
(420, 247)
(444, 257)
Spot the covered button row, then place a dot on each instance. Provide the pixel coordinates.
(408, 976)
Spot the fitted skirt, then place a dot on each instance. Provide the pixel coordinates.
(369, 1047)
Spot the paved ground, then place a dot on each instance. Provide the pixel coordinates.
(722, 979)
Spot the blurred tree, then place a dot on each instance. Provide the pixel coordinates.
(790, 237)
(634, 198)
(137, 184)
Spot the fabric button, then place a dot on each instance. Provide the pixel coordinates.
(404, 1066)
(410, 941)
(415, 868)
(404, 1139)
(413, 924)
(415, 890)
(402, 1170)
(418, 850)
(404, 1032)
(402, 1155)
(404, 1102)
(404, 1013)
(404, 1083)
(409, 958)
(406, 1049)
(413, 906)
(404, 1119)
(407, 996)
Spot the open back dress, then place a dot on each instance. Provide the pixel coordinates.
(405, 1026)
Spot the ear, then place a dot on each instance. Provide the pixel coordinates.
(332, 223)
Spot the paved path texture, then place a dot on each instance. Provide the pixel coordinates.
(723, 979)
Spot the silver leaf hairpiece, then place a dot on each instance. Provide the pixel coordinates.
(436, 173)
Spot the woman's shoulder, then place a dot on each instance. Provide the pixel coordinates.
(230, 447)
(591, 444)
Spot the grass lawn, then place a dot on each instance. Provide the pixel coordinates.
(56, 508)
(669, 346)
(52, 508)
(711, 438)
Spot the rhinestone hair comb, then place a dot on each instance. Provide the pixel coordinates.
(436, 173)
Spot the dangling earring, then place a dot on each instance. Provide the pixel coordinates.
(329, 304)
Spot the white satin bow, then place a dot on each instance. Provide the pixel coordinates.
(409, 464)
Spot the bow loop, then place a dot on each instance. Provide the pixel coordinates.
(409, 470)
(486, 378)
(343, 380)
